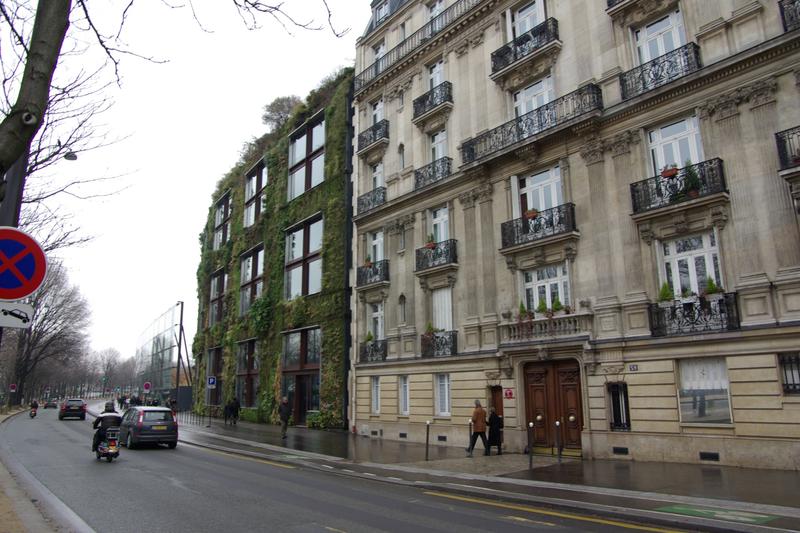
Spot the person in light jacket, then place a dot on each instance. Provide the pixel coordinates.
(478, 429)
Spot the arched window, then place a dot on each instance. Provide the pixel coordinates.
(401, 311)
(401, 156)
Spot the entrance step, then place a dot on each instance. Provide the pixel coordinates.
(566, 452)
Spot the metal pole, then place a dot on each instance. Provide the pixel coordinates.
(469, 437)
(178, 371)
(427, 437)
(558, 440)
(530, 449)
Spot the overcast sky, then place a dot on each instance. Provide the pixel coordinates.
(185, 123)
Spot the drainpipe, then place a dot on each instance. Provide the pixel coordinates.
(348, 258)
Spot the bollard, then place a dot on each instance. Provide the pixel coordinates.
(469, 435)
(530, 449)
(427, 437)
(558, 440)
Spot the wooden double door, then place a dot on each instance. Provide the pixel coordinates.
(553, 394)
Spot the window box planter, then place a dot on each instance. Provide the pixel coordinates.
(669, 172)
(531, 214)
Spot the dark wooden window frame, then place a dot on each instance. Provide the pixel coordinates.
(249, 396)
(251, 287)
(215, 369)
(306, 258)
(620, 412)
(309, 155)
(224, 224)
(259, 172)
(216, 302)
(302, 364)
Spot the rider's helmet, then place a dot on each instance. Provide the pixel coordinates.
(109, 407)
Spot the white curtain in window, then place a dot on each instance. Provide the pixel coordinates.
(442, 309)
(703, 374)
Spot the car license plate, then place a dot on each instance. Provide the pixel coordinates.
(160, 427)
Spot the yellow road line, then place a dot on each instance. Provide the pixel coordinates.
(246, 458)
(548, 512)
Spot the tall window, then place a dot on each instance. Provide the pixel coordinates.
(214, 369)
(438, 145)
(252, 274)
(688, 263)
(435, 9)
(442, 394)
(546, 285)
(620, 413)
(435, 74)
(222, 221)
(255, 181)
(381, 12)
(377, 111)
(304, 260)
(402, 389)
(703, 392)
(375, 322)
(527, 17)
(675, 144)
(216, 297)
(379, 50)
(533, 96)
(401, 156)
(659, 37)
(401, 309)
(300, 364)
(307, 157)
(376, 395)
(377, 175)
(376, 245)
(247, 373)
(440, 224)
(442, 300)
(541, 191)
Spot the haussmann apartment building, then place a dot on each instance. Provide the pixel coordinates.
(582, 213)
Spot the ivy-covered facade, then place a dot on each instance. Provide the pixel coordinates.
(273, 277)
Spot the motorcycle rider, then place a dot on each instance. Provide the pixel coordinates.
(34, 408)
(109, 418)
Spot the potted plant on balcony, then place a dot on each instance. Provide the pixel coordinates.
(665, 296)
(532, 213)
(431, 244)
(368, 261)
(669, 171)
(369, 338)
(557, 305)
(691, 180)
(712, 291)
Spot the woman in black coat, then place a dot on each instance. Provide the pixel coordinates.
(495, 431)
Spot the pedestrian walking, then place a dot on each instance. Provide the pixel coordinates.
(495, 431)
(235, 408)
(284, 412)
(478, 429)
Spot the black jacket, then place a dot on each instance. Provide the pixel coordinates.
(284, 412)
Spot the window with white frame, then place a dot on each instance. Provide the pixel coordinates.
(660, 37)
(703, 393)
(375, 322)
(541, 191)
(376, 245)
(304, 260)
(442, 394)
(381, 12)
(440, 224)
(254, 195)
(438, 145)
(675, 144)
(307, 157)
(222, 222)
(377, 111)
(251, 278)
(435, 74)
(688, 262)
(379, 50)
(376, 395)
(533, 96)
(435, 9)
(402, 389)
(545, 285)
(377, 175)
(442, 304)
(527, 17)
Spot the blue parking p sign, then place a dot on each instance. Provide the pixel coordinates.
(212, 382)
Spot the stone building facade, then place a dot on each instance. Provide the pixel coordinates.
(582, 214)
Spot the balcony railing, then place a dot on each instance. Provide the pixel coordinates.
(788, 147)
(693, 181)
(529, 228)
(790, 14)
(545, 328)
(525, 44)
(437, 254)
(439, 343)
(700, 315)
(660, 71)
(436, 171)
(417, 39)
(612, 3)
(373, 134)
(371, 200)
(372, 351)
(550, 115)
(434, 98)
(375, 273)
(393, 7)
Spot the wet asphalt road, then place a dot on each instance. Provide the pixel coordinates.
(192, 489)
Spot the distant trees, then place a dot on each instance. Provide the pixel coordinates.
(277, 112)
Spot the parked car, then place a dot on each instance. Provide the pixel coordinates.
(142, 424)
(72, 407)
(51, 403)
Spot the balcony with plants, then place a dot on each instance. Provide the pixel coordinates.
(372, 350)
(433, 107)
(557, 322)
(529, 52)
(676, 186)
(538, 227)
(714, 310)
(373, 139)
(433, 172)
(369, 274)
(436, 255)
(438, 343)
(569, 110)
(660, 71)
(369, 201)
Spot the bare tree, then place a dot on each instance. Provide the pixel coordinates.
(108, 361)
(277, 112)
(58, 329)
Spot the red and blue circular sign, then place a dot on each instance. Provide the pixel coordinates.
(23, 265)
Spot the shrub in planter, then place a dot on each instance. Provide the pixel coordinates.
(542, 308)
(557, 306)
(665, 295)
(669, 171)
(691, 180)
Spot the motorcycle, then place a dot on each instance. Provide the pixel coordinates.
(109, 446)
(33, 412)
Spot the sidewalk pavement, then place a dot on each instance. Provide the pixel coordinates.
(708, 497)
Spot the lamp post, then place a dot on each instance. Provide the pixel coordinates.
(530, 448)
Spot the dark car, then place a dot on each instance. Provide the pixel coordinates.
(73, 407)
(142, 424)
(51, 403)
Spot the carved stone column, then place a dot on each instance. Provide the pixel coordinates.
(484, 195)
(471, 250)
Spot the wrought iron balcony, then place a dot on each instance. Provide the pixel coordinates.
(371, 200)
(530, 228)
(660, 71)
(788, 147)
(439, 343)
(377, 272)
(436, 254)
(790, 14)
(693, 181)
(548, 116)
(372, 351)
(612, 3)
(414, 41)
(432, 99)
(539, 327)
(436, 171)
(525, 44)
(373, 134)
(702, 315)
